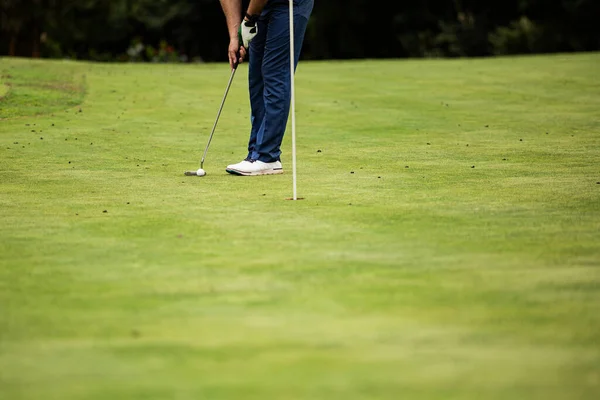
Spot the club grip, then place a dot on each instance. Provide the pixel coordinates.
(237, 60)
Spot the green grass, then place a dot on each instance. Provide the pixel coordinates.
(448, 246)
(35, 88)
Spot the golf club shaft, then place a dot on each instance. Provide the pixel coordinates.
(218, 115)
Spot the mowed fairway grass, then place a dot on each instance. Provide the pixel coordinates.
(447, 246)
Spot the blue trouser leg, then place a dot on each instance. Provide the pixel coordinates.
(269, 76)
(256, 84)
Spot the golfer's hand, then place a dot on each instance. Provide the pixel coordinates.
(247, 32)
(236, 53)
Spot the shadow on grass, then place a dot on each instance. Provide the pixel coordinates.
(28, 87)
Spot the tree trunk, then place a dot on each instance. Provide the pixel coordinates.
(12, 47)
(35, 42)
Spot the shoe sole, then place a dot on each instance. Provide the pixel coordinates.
(257, 173)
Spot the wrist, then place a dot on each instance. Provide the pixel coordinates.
(252, 18)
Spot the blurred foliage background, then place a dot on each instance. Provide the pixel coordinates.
(194, 30)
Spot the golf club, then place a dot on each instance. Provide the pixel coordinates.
(201, 172)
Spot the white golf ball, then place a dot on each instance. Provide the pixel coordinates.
(200, 172)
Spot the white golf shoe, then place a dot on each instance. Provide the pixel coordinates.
(255, 167)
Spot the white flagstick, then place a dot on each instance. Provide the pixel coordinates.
(293, 99)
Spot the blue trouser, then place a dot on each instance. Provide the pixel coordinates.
(269, 75)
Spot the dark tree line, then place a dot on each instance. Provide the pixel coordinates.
(183, 30)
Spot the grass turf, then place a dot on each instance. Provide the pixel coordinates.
(447, 247)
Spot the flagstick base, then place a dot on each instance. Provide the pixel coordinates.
(293, 100)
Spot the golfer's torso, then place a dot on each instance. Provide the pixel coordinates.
(303, 7)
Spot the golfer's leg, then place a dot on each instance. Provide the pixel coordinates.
(276, 76)
(255, 83)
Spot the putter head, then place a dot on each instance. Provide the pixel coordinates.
(199, 172)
